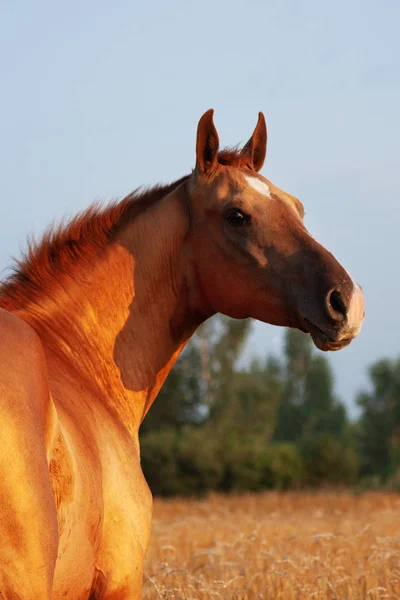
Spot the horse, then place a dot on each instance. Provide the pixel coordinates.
(92, 319)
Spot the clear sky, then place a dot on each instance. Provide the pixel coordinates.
(99, 97)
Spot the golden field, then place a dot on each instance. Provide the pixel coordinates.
(275, 545)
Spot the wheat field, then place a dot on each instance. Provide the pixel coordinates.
(276, 546)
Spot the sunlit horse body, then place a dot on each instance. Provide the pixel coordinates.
(92, 321)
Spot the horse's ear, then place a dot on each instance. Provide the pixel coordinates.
(256, 148)
(207, 144)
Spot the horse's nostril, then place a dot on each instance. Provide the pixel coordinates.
(336, 305)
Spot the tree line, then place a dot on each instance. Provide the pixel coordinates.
(275, 424)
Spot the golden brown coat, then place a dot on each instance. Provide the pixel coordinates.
(92, 321)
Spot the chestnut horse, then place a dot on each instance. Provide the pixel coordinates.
(92, 320)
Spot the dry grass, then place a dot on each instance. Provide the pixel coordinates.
(275, 546)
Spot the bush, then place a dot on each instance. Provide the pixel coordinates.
(243, 464)
(184, 462)
(199, 464)
(250, 464)
(158, 458)
(328, 462)
(194, 460)
(283, 467)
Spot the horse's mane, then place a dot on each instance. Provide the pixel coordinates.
(64, 245)
(61, 247)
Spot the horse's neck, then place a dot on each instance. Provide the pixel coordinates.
(130, 315)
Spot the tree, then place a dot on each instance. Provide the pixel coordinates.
(322, 411)
(199, 385)
(327, 461)
(297, 357)
(180, 400)
(223, 353)
(251, 406)
(274, 424)
(308, 405)
(379, 425)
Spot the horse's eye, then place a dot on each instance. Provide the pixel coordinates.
(237, 218)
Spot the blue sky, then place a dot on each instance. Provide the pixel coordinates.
(98, 98)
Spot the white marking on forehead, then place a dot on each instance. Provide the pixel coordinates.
(260, 186)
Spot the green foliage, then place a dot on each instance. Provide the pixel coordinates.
(199, 463)
(327, 461)
(243, 462)
(308, 404)
(180, 462)
(283, 466)
(158, 457)
(275, 424)
(379, 427)
(297, 357)
(180, 400)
